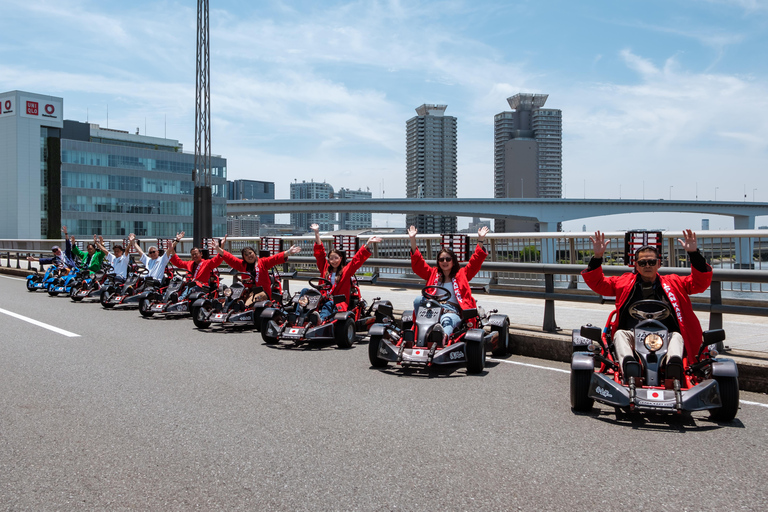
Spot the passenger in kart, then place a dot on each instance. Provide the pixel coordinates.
(154, 263)
(198, 270)
(646, 283)
(257, 267)
(90, 258)
(335, 269)
(118, 259)
(63, 260)
(448, 274)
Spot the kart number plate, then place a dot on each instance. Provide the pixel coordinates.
(157, 307)
(294, 330)
(218, 316)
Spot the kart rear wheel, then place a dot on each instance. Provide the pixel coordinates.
(729, 395)
(199, 317)
(345, 333)
(269, 340)
(475, 357)
(502, 347)
(104, 300)
(373, 353)
(580, 400)
(144, 308)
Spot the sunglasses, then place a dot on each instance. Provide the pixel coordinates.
(152, 252)
(445, 258)
(644, 263)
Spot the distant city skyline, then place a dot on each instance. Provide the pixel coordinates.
(660, 99)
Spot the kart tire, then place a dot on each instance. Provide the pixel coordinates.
(345, 333)
(269, 340)
(729, 395)
(580, 380)
(373, 353)
(475, 357)
(73, 294)
(52, 294)
(144, 306)
(104, 298)
(31, 286)
(198, 314)
(502, 348)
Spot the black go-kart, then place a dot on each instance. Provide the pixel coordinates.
(168, 302)
(87, 285)
(126, 294)
(299, 321)
(421, 343)
(232, 307)
(702, 382)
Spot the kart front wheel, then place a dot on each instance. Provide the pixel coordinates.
(475, 357)
(104, 300)
(269, 340)
(52, 294)
(200, 317)
(31, 286)
(502, 347)
(729, 396)
(373, 353)
(345, 333)
(144, 308)
(73, 294)
(580, 400)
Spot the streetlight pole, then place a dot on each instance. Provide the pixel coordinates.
(670, 191)
(753, 194)
(716, 193)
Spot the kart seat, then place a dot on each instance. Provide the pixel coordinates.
(468, 314)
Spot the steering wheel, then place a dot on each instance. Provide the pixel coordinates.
(437, 293)
(141, 270)
(320, 284)
(650, 310)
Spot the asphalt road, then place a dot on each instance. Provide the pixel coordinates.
(153, 414)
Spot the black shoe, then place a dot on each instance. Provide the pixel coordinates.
(314, 318)
(632, 369)
(675, 368)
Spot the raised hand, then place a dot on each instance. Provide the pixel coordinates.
(599, 243)
(484, 230)
(373, 240)
(314, 227)
(412, 231)
(295, 249)
(689, 244)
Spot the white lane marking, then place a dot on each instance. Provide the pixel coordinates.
(529, 365)
(14, 278)
(40, 324)
(753, 403)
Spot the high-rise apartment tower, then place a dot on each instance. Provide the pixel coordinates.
(528, 154)
(431, 164)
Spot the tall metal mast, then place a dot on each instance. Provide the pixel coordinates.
(203, 214)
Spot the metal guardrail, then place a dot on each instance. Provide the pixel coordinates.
(540, 282)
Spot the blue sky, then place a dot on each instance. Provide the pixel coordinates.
(665, 96)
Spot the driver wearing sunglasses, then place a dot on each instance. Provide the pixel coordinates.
(646, 283)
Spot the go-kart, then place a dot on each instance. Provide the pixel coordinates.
(126, 294)
(232, 309)
(63, 282)
(89, 285)
(421, 342)
(169, 303)
(299, 322)
(705, 382)
(38, 281)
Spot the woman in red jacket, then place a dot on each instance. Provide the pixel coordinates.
(334, 268)
(448, 275)
(257, 267)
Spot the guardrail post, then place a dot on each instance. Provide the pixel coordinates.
(716, 319)
(18, 263)
(549, 305)
(573, 284)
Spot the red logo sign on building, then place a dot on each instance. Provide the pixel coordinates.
(7, 104)
(49, 109)
(32, 107)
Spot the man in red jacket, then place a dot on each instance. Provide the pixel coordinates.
(646, 283)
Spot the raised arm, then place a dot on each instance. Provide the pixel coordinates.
(412, 237)
(316, 229)
(135, 243)
(599, 244)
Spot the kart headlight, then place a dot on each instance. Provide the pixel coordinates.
(228, 292)
(303, 301)
(653, 342)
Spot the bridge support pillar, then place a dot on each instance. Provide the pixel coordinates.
(744, 246)
(548, 245)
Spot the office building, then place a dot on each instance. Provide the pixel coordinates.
(527, 154)
(242, 190)
(354, 220)
(312, 190)
(431, 164)
(94, 180)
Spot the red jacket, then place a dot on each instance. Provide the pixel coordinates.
(677, 289)
(460, 282)
(343, 284)
(201, 273)
(261, 275)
